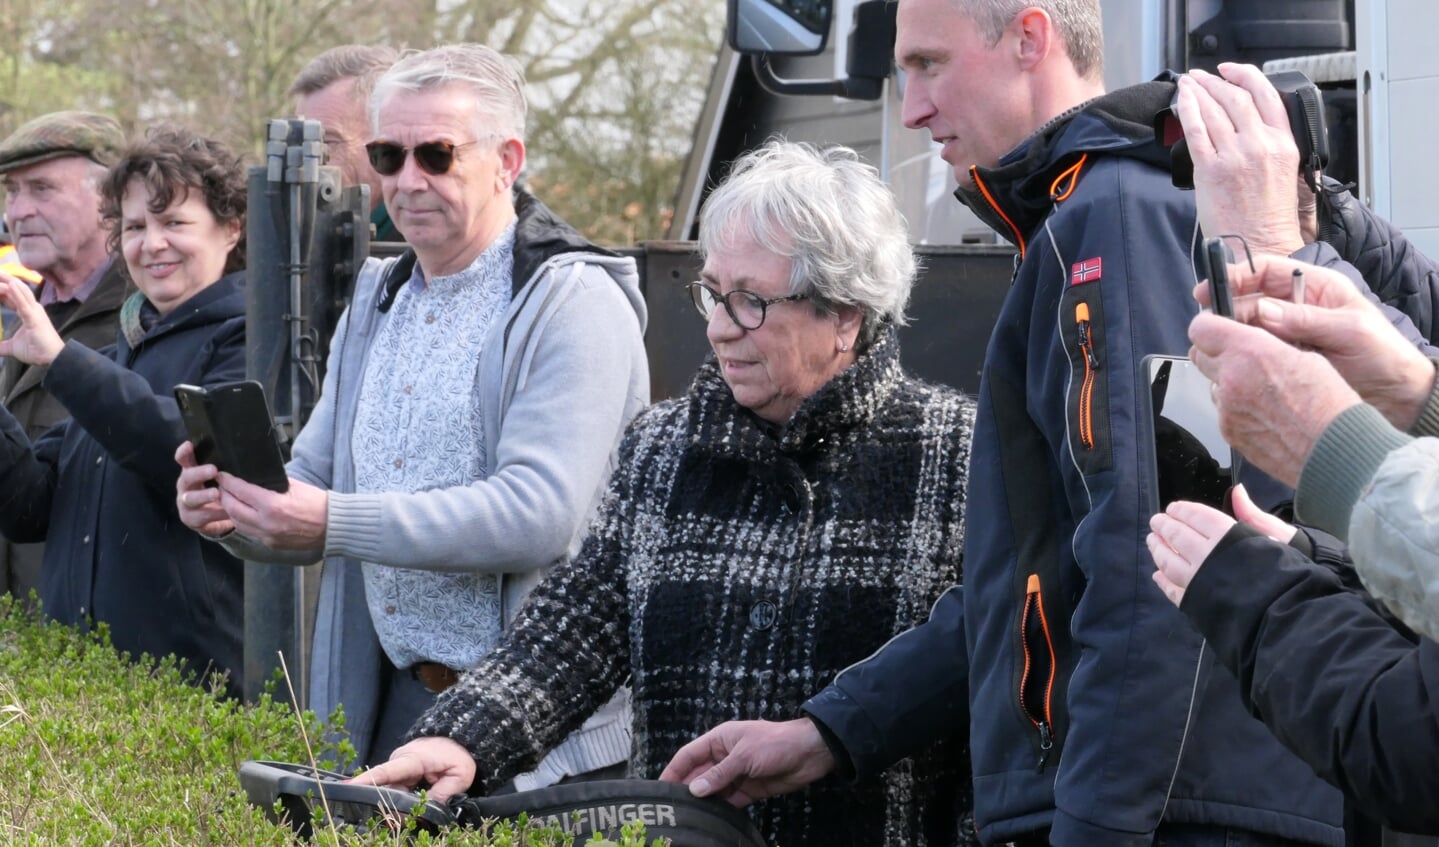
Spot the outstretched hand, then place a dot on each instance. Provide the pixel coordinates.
(1246, 163)
(1274, 400)
(745, 761)
(1338, 322)
(34, 341)
(295, 519)
(1183, 535)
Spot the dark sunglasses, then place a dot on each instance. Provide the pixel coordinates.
(433, 157)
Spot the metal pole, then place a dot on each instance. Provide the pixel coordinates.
(306, 240)
(278, 243)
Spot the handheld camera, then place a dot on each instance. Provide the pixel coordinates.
(1303, 104)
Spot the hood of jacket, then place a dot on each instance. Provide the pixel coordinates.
(1015, 196)
(540, 235)
(542, 239)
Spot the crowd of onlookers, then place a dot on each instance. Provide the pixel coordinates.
(878, 610)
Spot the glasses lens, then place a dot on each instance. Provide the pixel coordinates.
(435, 157)
(386, 158)
(748, 308)
(704, 299)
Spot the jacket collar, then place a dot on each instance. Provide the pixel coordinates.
(848, 401)
(1015, 196)
(221, 301)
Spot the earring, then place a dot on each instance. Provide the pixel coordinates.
(844, 347)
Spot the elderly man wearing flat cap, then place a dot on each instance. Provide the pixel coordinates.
(51, 169)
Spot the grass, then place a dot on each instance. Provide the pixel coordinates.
(96, 749)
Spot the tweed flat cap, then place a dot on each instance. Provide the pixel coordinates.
(59, 134)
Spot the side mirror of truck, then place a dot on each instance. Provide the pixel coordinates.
(778, 27)
(755, 23)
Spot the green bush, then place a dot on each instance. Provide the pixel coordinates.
(97, 750)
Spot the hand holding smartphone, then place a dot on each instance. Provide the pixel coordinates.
(231, 428)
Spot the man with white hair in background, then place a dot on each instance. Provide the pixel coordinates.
(474, 399)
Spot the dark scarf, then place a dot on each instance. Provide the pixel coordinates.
(848, 401)
(137, 317)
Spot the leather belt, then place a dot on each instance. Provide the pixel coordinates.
(434, 676)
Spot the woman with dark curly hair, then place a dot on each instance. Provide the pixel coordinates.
(99, 488)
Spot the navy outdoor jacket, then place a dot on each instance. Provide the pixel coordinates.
(1094, 708)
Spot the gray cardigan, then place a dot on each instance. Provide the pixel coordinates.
(560, 383)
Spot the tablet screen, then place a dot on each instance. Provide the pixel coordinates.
(1191, 458)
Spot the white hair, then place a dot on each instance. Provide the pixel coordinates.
(495, 80)
(830, 215)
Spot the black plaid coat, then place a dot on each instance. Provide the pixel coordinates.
(735, 568)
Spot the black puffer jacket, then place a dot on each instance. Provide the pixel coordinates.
(1395, 270)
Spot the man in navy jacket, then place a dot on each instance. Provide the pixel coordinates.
(1096, 715)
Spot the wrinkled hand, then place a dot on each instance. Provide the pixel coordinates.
(444, 764)
(293, 520)
(1182, 537)
(745, 761)
(199, 503)
(35, 341)
(1245, 159)
(1337, 322)
(1274, 400)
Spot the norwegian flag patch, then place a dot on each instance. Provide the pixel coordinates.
(1088, 270)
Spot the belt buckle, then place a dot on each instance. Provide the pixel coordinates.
(434, 676)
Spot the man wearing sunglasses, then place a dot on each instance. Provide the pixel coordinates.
(475, 395)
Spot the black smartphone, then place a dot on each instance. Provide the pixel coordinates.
(1216, 256)
(231, 428)
(1191, 459)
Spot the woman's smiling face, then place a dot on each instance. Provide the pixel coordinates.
(175, 253)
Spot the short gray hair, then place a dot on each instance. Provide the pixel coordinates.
(495, 80)
(827, 212)
(1079, 23)
(361, 62)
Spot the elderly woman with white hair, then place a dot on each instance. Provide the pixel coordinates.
(802, 504)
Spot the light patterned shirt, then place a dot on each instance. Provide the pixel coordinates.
(418, 428)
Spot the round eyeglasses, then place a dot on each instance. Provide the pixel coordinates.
(746, 308)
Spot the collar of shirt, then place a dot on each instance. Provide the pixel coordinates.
(48, 295)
